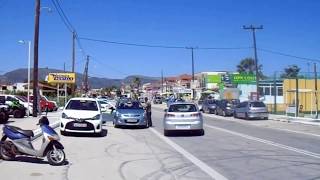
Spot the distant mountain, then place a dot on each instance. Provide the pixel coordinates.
(20, 75)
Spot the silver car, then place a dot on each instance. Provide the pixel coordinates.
(251, 110)
(183, 117)
(129, 113)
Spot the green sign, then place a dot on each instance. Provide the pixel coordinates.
(213, 78)
(243, 78)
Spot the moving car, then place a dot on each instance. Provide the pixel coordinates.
(183, 116)
(81, 115)
(130, 113)
(209, 105)
(251, 110)
(226, 107)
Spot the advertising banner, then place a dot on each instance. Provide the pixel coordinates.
(243, 78)
(62, 78)
(213, 78)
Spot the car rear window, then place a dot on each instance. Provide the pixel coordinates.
(130, 105)
(257, 104)
(87, 105)
(182, 108)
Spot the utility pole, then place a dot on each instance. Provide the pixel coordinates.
(73, 59)
(35, 59)
(192, 61)
(316, 87)
(161, 81)
(253, 29)
(275, 92)
(85, 77)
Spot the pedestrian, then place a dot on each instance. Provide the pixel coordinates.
(147, 108)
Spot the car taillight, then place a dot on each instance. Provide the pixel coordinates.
(195, 115)
(169, 115)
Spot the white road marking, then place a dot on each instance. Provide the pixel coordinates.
(203, 166)
(301, 151)
(235, 120)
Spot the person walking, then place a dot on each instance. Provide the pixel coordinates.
(147, 108)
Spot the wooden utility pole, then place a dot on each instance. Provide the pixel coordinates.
(35, 58)
(253, 29)
(85, 81)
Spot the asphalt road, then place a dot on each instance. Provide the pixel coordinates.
(228, 150)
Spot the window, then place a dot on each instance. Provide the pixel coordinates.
(86, 105)
(182, 108)
(267, 91)
(130, 105)
(272, 91)
(280, 91)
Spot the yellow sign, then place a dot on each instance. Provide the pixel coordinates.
(63, 78)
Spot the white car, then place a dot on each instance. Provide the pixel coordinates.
(105, 106)
(81, 115)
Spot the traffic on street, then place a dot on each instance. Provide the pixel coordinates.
(159, 90)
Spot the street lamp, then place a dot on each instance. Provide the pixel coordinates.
(29, 62)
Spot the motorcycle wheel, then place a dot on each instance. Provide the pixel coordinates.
(17, 114)
(56, 157)
(5, 151)
(3, 117)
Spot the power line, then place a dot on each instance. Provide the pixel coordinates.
(62, 16)
(287, 55)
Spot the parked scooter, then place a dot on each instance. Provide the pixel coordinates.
(18, 142)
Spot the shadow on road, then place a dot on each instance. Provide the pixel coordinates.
(103, 134)
(34, 160)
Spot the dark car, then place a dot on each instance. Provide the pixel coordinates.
(209, 106)
(226, 107)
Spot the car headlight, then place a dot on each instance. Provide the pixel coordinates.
(97, 117)
(64, 116)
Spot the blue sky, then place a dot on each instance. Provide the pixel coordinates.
(290, 26)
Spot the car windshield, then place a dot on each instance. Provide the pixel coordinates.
(21, 98)
(129, 105)
(211, 102)
(102, 102)
(182, 108)
(257, 104)
(87, 105)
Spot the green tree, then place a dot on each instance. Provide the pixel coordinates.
(247, 65)
(291, 71)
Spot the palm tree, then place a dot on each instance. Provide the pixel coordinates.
(291, 71)
(247, 65)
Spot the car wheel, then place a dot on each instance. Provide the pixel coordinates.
(166, 133)
(201, 132)
(266, 118)
(17, 114)
(246, 116)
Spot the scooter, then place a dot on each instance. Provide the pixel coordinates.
(16, 141)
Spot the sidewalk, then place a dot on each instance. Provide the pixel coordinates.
(301, 120)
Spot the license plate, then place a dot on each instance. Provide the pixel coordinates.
(132, 120)
(182, 127)
(79, 125)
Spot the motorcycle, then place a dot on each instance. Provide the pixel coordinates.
(16, 141)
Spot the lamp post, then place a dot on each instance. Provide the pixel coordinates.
(29, 64)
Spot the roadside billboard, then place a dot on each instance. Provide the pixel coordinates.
(243, 78)
(214, 78)
(62, 78)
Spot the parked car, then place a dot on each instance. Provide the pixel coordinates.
(129, 113)
(21, 99)
(226, 107)
(183, 116)
(54, 103)
(251, 110)
(44, 103)
(4, 114)
(106, 106)
(81, 115)
(209, 106)
(157, 100)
